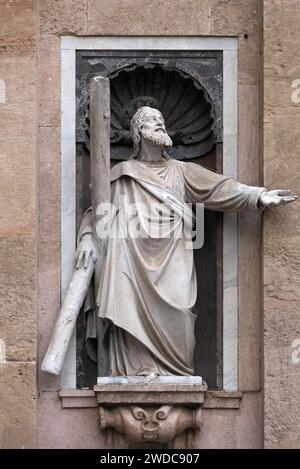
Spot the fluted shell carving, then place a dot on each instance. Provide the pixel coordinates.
(185, 105)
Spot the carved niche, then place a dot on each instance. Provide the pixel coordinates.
(187, 87)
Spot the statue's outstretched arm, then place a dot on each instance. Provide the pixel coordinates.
(219, 192)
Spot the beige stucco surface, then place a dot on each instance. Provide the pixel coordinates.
(18, 240)
(281, 229)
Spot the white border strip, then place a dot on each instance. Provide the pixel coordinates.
(148, 43)
(68, 196)
(69, 45)
(230, 247)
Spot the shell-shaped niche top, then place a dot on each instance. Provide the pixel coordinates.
(187, 109)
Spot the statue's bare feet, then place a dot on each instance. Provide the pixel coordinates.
(147, 373)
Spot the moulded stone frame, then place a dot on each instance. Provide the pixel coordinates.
(229, 46)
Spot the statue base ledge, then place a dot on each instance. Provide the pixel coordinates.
(150, 380)
(171, 390)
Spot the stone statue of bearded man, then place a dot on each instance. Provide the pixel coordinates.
(148, 287)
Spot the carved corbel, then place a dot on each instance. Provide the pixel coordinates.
(138, 415)
(158, 425)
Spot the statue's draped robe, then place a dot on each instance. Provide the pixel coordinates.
(148, 285)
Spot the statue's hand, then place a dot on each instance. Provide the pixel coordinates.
(276, 197)
(86, 251)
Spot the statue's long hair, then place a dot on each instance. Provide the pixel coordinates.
(136, 124)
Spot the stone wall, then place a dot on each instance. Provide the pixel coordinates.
(18, 238)
(30, 143)
(281, 228)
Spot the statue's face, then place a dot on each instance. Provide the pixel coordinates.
(153, 129)
(153, 120)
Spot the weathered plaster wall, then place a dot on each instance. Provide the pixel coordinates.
(18, 272)
(281, 229)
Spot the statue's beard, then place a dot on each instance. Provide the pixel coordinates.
(157, 137)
